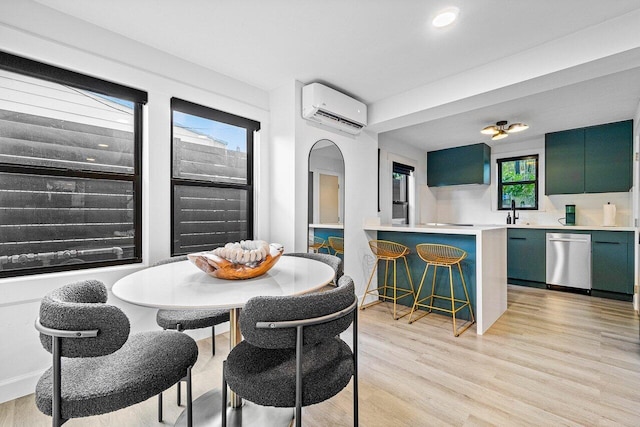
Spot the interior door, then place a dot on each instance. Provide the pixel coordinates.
(329, 196)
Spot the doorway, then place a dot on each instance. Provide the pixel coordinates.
(329, 199)
(401, 194)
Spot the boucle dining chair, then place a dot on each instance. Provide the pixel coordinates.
(292, 354)
(182, 320)
(331, 260)
(97, 366)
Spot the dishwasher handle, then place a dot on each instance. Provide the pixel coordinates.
(557, 239)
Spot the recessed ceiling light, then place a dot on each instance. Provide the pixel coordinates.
(445, 17)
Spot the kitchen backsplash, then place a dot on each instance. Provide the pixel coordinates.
(474, 204)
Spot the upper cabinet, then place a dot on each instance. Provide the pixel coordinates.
(469, 164)
(596, 159)
(564, 162)
(608, 154)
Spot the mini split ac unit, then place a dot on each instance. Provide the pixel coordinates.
(327, 106)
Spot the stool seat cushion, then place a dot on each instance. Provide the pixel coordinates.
(146, 365)
(191, 319)
(268, 376)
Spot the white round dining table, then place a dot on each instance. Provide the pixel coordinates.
(181, 285)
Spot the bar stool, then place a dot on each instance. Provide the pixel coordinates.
(388, 252)
(442, 256)
(337, 244)
(316, 244)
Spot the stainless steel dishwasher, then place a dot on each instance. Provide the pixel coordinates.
(569, 260)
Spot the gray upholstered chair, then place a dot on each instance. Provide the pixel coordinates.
(344, 280)
(97, 366)
(182, 320)
(292, 354)
(331, 260)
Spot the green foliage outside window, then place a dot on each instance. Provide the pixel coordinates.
(518, 180)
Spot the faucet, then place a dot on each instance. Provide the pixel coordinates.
(513, 211)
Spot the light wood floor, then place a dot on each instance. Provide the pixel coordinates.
(553, 359)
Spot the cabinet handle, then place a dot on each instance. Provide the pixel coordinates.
(517, 238)
(608, 243)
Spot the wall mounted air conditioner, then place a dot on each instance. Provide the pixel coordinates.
(327, 106)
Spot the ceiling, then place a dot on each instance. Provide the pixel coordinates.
(377, 49)
(607, 99)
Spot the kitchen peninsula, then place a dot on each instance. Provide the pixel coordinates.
(485, 267)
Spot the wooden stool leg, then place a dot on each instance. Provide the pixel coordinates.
(386, 272)
(467, 302)
(416, 300)
(433, 287)
(406, 291)
(466, 294)
(406, 265)
(366, 291)
(395, 291)
(453, 303)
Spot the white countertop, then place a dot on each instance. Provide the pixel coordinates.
(572, 227)
(331, 226)
(436, 228)
(476, 228)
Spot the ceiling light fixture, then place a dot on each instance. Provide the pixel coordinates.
(501, 130)
(445, 17)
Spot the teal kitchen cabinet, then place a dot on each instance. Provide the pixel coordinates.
(612, 261)
(526, 254)
(469, 164)
(608, 150)
(596, 159)
(564, 162)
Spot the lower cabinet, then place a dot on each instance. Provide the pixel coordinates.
(612, 259)
(526, 252)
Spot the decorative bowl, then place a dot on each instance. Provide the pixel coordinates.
(239, 260)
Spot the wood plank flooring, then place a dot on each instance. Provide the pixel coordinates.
(553, 359)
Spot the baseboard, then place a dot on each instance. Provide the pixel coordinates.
(612, 295)
(20, 386)
(528, 283)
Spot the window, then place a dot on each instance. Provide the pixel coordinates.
(518, 181)
(400, 207)
(211, 177)
(70, 169)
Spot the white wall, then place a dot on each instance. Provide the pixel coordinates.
(283, 165)
(422, 204)
(289, 180)
(34, 31)
(477, 204)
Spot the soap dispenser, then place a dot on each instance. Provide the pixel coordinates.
(509, 218)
